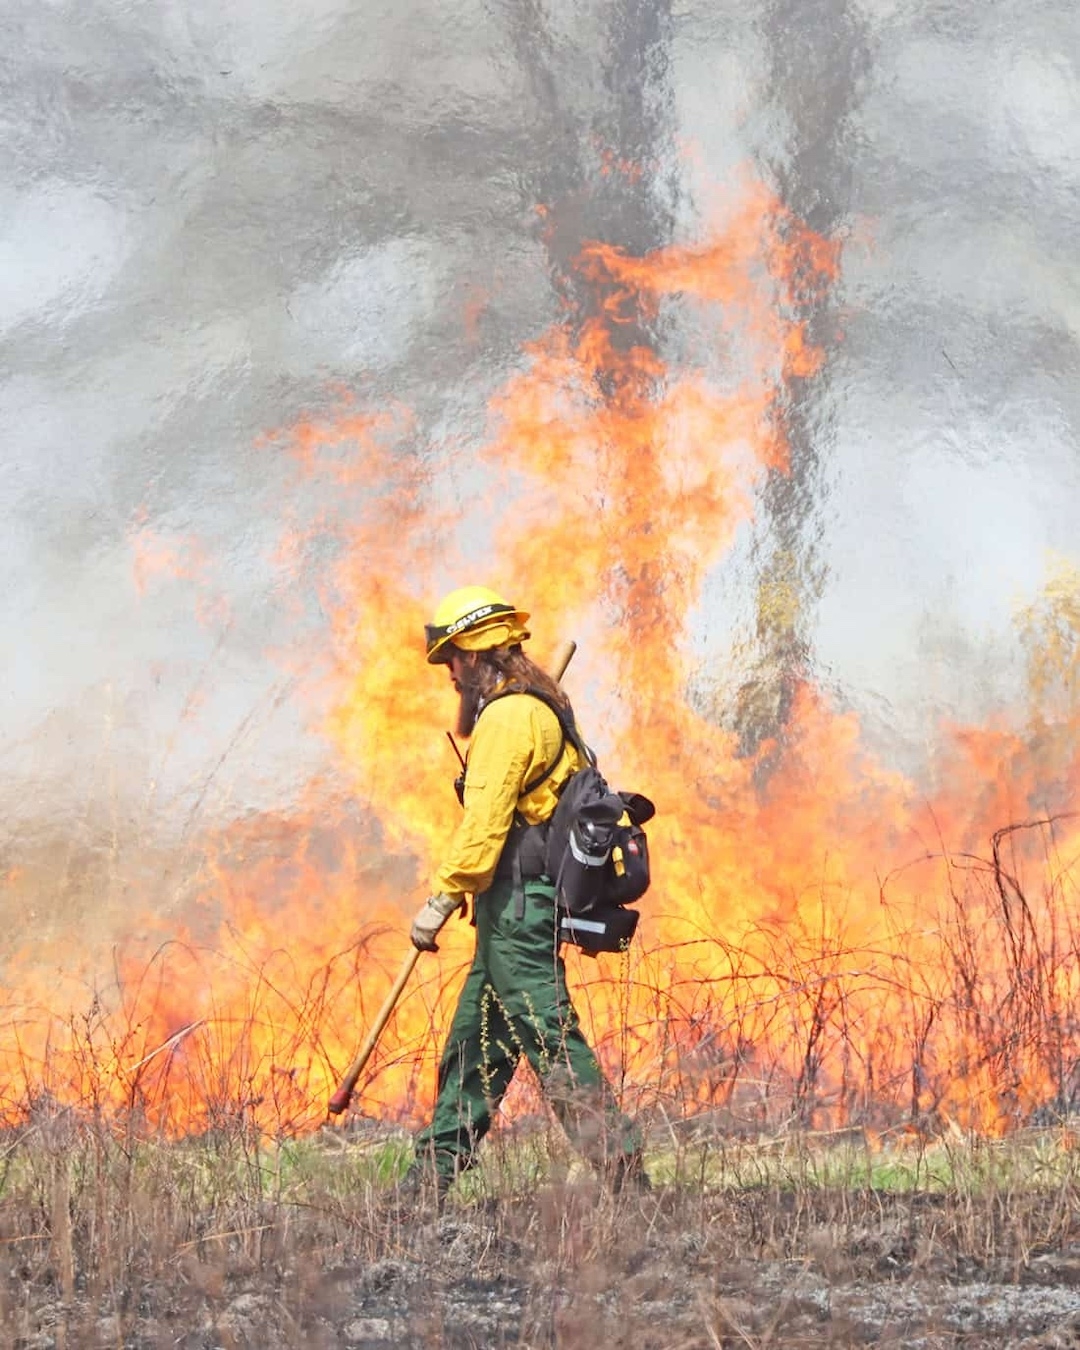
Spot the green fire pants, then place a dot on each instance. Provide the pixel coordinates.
(514, 1002)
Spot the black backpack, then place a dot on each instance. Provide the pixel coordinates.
(597, 855)
(593, 848)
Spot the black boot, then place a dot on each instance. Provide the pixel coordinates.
(629, 1175)
(421, 1189)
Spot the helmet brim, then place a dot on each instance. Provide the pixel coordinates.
(504, 631)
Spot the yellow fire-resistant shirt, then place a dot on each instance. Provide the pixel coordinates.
(513, 742)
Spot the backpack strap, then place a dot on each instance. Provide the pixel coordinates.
(567, 732)
(566, 723)
(543, 777)
(567, 728)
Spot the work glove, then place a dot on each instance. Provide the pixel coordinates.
(428, 923)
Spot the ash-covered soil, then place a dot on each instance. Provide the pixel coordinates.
(569, 1266)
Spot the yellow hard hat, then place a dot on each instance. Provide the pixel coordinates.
(474, 619)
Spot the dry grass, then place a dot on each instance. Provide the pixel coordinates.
(812, 1103)
(112, 1240)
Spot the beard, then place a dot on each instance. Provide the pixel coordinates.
(469, 699)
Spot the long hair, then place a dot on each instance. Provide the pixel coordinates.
(514, 671)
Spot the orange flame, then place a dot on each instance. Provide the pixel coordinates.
(827, 941)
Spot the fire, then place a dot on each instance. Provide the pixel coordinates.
(822, 938)
(158, 556)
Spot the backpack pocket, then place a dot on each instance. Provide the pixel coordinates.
(629, 864)
(608, 928)
(598, 855)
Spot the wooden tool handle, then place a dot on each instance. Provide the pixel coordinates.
(340, 1100)
(563, 656)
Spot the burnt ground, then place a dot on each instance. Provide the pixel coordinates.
(568, 1266)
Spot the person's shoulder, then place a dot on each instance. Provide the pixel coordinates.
(517, 709)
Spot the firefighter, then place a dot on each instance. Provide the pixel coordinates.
(514, 1002)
